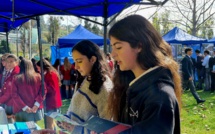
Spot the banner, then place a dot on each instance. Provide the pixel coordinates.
(61, 53)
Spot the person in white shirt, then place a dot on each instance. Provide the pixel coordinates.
(207, 70)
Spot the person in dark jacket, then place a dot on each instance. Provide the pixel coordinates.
(147, 85)
(187, 74)
(212, 71)
(200, 69)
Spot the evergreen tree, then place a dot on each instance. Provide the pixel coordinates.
(3, 47)
(95, 29)
(87, 25)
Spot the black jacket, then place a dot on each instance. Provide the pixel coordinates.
(151, 106)
(199, 59)
(211, 63)
(187, 68)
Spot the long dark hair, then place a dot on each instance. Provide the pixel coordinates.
(99, 69)
(27, 72)
(34, 62)
(56, 63)
(139, 33)
(49, 68)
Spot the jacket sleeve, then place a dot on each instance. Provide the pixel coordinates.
(19, 103)
(39, 97)
(185, 67)
(51, 80)
(210, 63)
(5, 96)
(7, 91)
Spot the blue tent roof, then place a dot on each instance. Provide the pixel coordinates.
(17, 10)
(7, 25)
(21, 9)
(80, 33)
(212, 40)
(97, 8)
(176, 35)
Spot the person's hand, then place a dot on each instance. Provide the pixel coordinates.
(64, 125)
(93, 132)
(44, 131)
(28, 110)
(34, 109)
(191, 78)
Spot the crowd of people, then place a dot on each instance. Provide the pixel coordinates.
(142, 87)
(21, 89)
(204, 67)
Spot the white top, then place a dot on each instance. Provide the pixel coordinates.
(206, 61)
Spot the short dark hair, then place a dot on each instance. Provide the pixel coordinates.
(207, 52)
(197, 51)
(187, 50)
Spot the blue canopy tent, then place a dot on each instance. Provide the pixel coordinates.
(176, 35)
(61, 53)
(65, 43)
(31, 8)
(80, 33)
(212, 41)
(7, 25)
(98, 8)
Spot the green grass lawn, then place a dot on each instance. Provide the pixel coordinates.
(196, 119)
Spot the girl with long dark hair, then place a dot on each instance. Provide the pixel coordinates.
(147, 84)
(91, 98)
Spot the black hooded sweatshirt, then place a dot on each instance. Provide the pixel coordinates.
(151, 105)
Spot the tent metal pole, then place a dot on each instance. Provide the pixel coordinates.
(30, 39)
(105, 25)
(17, 49)
(7, 42)
(41, 64)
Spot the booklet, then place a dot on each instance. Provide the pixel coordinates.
(94, 123)
(101, 125)
(60, 117)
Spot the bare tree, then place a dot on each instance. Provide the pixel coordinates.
(192, 13)
(54, 26)
(25, 39)
(165, 23)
